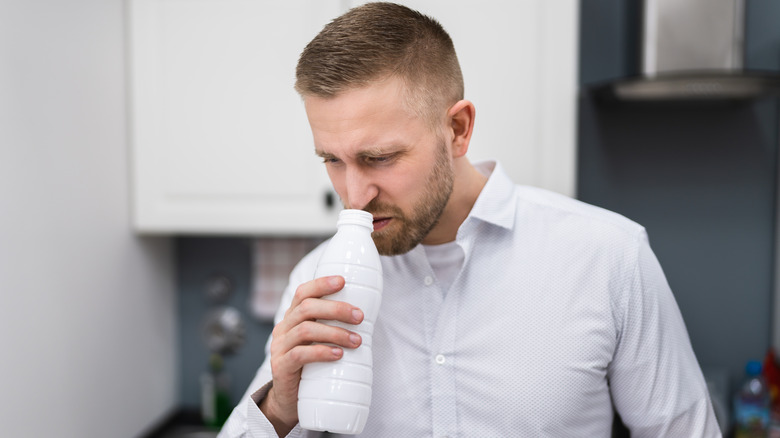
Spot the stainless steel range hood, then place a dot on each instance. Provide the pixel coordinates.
(694, 50)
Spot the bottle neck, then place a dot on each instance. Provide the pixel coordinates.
(358, 218)
(355, 228)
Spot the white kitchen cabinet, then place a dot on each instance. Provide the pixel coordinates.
(220, 141)
(220, 138)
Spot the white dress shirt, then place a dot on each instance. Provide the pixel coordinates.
(560, 312)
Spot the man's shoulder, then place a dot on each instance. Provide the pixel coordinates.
(555, 209)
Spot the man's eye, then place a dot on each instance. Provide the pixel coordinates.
(330, 160)
(380, 159)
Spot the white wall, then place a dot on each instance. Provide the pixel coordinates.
(87, 309)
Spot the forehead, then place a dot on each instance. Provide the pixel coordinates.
(371, 117)
(376, 101)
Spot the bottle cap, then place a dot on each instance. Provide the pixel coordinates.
(753, 368)
(356, 217)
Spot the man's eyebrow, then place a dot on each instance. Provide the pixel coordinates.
(323, 154)
(366, 153)
(374, 152)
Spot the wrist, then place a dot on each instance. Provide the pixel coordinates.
(275, 414)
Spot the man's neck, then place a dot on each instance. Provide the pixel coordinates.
(468, 184)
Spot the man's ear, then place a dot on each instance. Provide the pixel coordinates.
(461, 119)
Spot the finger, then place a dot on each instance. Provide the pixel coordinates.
(295, 359)
(317, 288)
(315, 308)
(311, 331)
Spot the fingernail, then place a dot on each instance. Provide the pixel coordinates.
(336, 352)
(354, 338)
(334, 281)
(356, 314)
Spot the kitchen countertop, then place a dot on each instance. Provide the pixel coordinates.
(183, 423)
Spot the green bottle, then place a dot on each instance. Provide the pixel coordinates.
(215, 398)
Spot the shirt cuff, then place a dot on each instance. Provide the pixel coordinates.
(258, 424)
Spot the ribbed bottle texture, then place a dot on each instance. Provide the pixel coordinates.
(335, 396)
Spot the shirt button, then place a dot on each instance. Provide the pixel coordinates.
(428, 280)
(440, 359)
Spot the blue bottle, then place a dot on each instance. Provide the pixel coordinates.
(751, 404)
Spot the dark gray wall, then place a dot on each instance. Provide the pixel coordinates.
(199, 258)
(700, 178)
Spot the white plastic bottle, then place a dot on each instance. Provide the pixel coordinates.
(335, 396)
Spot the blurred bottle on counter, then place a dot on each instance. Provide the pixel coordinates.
(215, 399)
(752, 404)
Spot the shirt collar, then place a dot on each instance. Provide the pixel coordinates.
(496, 202)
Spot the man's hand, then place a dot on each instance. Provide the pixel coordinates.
(293, 345)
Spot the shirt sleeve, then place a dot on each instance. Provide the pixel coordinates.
(247, 420)
(655, 380)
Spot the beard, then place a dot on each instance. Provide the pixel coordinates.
(405, 232)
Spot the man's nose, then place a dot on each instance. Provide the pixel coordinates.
(360, 189)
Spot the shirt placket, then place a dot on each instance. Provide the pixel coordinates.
(442, 360)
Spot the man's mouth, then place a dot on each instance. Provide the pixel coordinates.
(381, 222)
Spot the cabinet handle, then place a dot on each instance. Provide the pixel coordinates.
(330, 200)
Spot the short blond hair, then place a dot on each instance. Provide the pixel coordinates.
(380, 40)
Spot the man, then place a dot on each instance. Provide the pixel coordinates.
(507, 310)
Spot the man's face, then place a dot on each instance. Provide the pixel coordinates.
(383, 159)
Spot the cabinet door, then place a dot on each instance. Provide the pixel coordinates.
(220, 140)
